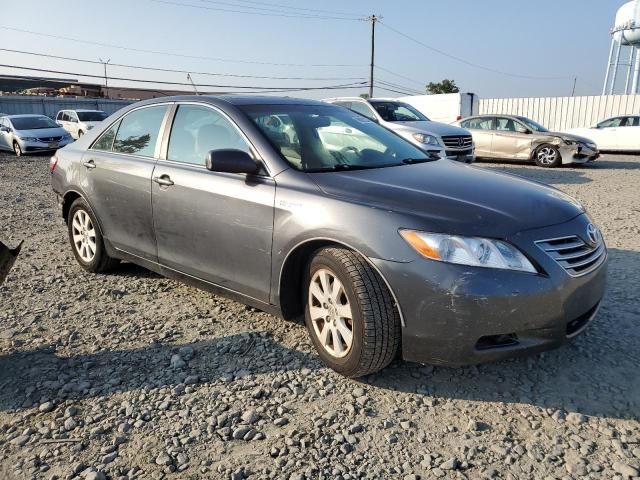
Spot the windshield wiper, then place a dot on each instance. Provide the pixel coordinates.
(412, 161)
(339, 167)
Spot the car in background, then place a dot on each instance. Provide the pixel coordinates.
(446, 141)
(616, 134)
(22, 134)
(380, 248)
(79, 122)
(512, 137)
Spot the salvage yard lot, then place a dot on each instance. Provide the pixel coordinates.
(130, 375)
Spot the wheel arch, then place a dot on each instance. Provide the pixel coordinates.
(292, 270)
(71, 196)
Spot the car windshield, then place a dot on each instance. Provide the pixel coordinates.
(328, 138)
(536, 127)
(91, 116)
(33, 123)
(398, 112)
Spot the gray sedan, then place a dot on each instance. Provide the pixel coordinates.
(308, 210)
(22, 134)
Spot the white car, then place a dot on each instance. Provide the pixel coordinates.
(446, 141)
(614, 134)
(79, 122)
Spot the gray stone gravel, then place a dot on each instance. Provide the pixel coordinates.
(133, 376)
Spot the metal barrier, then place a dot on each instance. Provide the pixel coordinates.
(561, 113)
(50, 106)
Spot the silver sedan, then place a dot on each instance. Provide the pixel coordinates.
(22, 134)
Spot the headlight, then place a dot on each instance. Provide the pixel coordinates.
(67, 136)
(28, 139)
(477, 252)
(89, 127)
(426, 139)
(569, 142)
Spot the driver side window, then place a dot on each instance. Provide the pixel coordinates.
(611, 123)
(197, 130)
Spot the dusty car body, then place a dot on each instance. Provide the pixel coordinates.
(378, 247)
(519, 138)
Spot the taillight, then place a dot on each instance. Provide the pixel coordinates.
(53, 163)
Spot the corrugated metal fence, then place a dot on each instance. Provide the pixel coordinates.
(561, 113)
(14, 105)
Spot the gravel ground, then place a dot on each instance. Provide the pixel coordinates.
(130, 375)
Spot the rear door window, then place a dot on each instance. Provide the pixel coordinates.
(479, 124)
(105, 142)
(197, 130)
(139, 131)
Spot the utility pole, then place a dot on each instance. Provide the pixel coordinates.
(194, 85)
(373, 19)
(106, 82)
(573, 92)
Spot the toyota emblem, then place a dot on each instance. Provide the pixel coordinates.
(593, 234)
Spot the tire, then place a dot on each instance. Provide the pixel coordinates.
(17, 149)
(547, 156)
(360, 293)
(86, 239)
(80, 134)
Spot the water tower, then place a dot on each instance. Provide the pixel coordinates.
(625, 35)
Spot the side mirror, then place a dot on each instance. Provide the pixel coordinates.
(526, 131)
(5, 129)
(232, 161)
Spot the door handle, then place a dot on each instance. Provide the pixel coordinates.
(89, 164)
(163, 180)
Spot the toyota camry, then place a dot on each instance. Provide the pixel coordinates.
(308, 210)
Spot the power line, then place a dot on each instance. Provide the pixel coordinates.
(391, 72)
(466, 62)
(388, 89)
(291, 7)
(411, 91)
(161, 82)
(264, 14)
(278, 8)
(165, 54)
(171, 70)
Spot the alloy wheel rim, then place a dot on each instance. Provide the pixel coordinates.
(17, 150)
(330, 313)
(547, 155)
(84, 236)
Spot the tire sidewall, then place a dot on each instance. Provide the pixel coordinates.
(558, 160)
(350, 363)
(17, 149)
(93, 265)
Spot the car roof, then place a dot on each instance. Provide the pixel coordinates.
(80, 110)
(237, 100)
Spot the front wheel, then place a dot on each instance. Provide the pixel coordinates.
(350, 313)
(86, 239)
(17, 149)
(548, 156)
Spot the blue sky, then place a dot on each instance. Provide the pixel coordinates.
(555, 39)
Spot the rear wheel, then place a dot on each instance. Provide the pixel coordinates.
(86, 240)
(17, 149)
(350, 313)
(547, 156)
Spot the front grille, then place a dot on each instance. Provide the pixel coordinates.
(453, 153)
(458, 142)
(574, 255)
(49, 139)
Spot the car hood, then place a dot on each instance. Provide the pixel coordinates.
(571, 136)
(447, 196)
(42, 132)
(434, 128)
(91, 124)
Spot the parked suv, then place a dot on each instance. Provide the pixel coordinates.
(441, 139)
(326, 216)
(79, 122)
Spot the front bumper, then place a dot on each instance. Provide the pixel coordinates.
(38, 146)
(580, 153)
(457, 315)
(464, 156)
